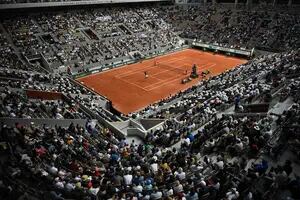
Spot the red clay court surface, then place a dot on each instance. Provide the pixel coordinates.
(130, 91)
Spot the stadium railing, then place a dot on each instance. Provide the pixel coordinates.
(232, 51)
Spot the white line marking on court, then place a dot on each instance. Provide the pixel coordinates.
(166, 80)
(175, 78)
(160, 72)
(155, 78)
(134, 84)
(133, 72)
(161, 82)
(145, 69)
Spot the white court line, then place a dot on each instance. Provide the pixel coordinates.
(121, 76)
(133, 72)
(163, 80)
(185, 63)
(165, 83)
(208, 67)
(155, 78)
(160, 80)
(162, 71)
(145, 69)
(134, 84)
(127, 81)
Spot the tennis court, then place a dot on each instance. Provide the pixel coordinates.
(130, 91)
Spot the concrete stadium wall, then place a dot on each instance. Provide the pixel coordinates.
(150, 124)
(136, 132)
(122, 126)
(49, 122)
(34, 94)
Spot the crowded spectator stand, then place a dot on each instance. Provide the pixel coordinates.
(232, 136)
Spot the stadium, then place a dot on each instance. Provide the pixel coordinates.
(150, 99)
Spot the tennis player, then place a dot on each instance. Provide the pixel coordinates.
(146, 74)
